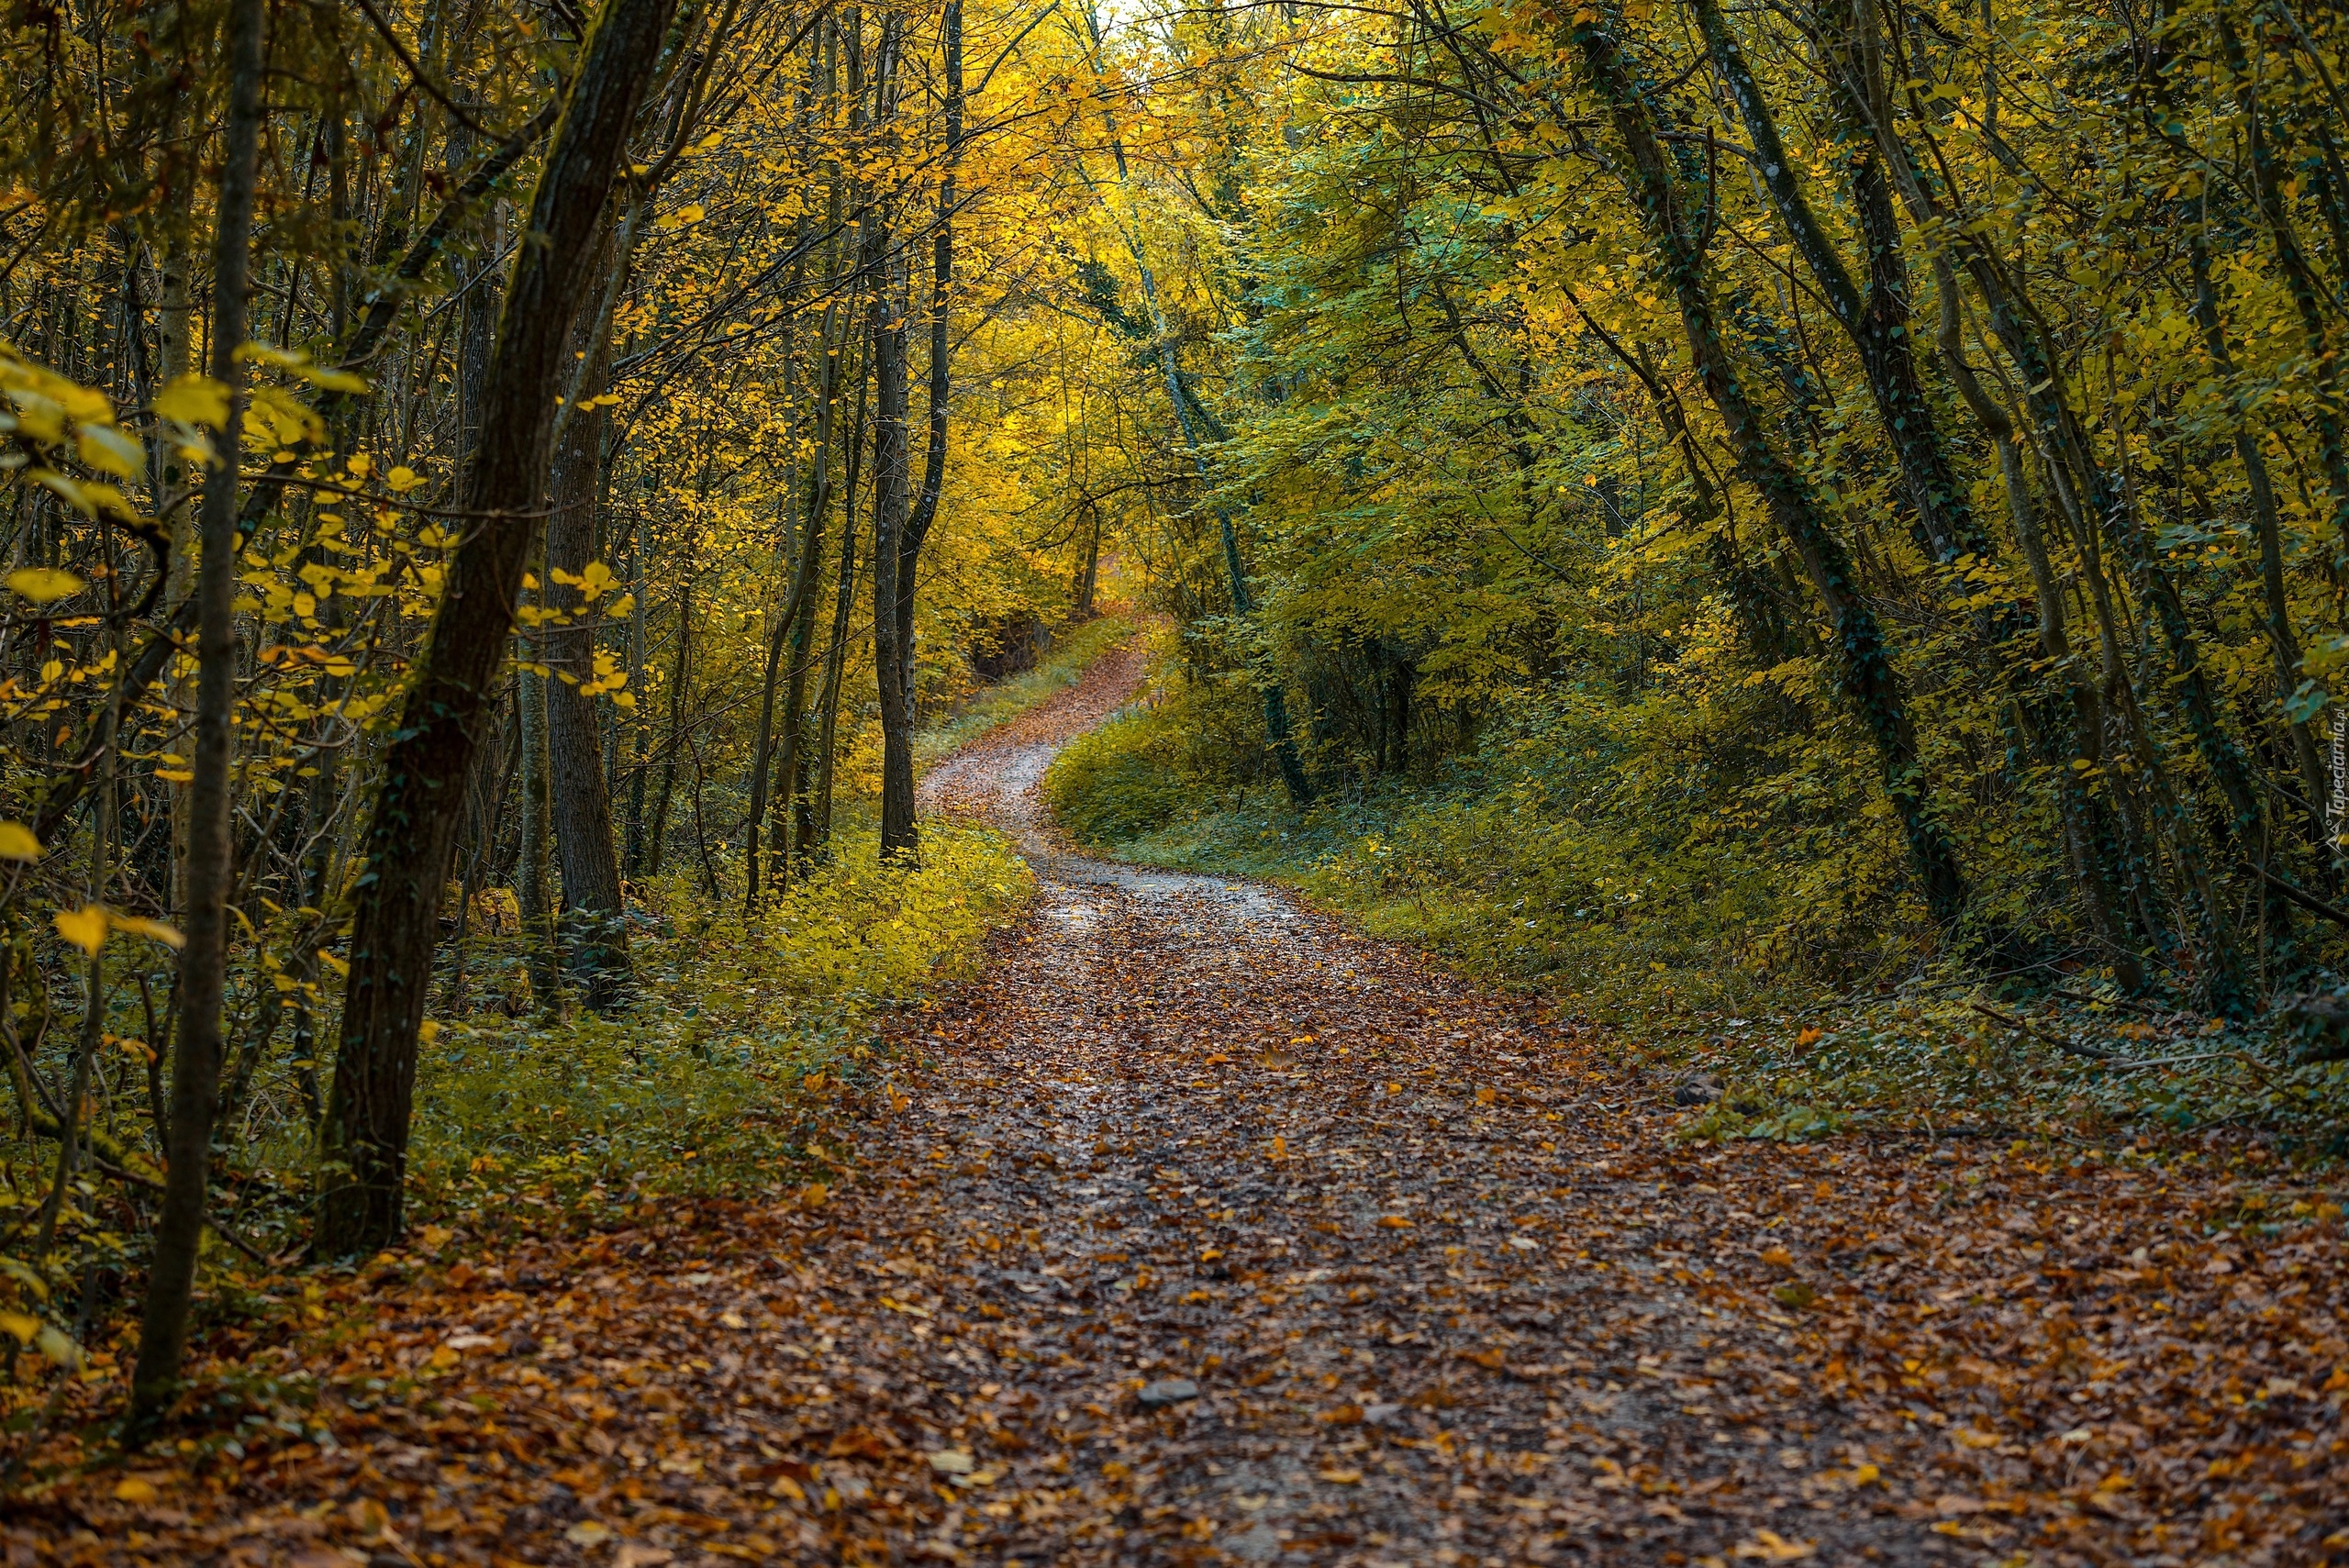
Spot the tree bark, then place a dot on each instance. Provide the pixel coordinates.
(1877, 321)
(413, 832)
(196, 1063)
(817, 829)
(899, 834)
(1864, 659)
(535, 895)
(594, 919)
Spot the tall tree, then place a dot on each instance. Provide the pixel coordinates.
(413, 833)
(195, 1062)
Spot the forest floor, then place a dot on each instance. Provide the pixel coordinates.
(1199, 1229)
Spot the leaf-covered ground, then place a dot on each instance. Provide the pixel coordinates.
(1202, 1230)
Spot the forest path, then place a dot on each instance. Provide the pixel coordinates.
(1200, 1230)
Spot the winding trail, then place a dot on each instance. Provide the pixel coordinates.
(1204, 1230)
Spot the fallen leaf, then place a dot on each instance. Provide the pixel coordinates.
(635, 1554)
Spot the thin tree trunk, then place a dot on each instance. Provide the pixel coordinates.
(195, 1062)
(535, 893)
(787, 648)
(941, 307)
(1877, 321)
(899, 834)
(819, 827)
(413, 833)
(2283, 645)
(1866, 673)
(677, 683)
(593, 920)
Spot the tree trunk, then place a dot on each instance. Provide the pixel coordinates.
(787, 650)
(899, 834)
(535, 895)
(447, 700)
(942, 305)
(195, 1062)
(818, 830)
(659, 833)
(1877, 321)
(1867, 677)
(595, 923)
(2283, 646)
(1088, 575)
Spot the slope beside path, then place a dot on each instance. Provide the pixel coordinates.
(1201, 1229)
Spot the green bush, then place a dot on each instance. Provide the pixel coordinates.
(702, 1083)
(1113, 785)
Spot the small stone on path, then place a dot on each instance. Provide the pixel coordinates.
(1168, 1391)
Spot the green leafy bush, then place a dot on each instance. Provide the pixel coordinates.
(742, 1025)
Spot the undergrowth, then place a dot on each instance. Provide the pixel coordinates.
(1770, 1004)
(715, 1076)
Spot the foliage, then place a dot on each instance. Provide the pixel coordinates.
(742, 1023)
(1566, 858)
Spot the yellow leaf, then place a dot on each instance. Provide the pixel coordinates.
(18, 843)
(110, 451)
(43, 585)
(428, 1030)
(402, 479)
(195, 400)
(139, 924)
(85, 928)
(70, 491)
(1768, 1546)
(24, 1325)
(130, 1489)
(1343, 1477)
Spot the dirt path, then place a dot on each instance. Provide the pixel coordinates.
(1210, 1232)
